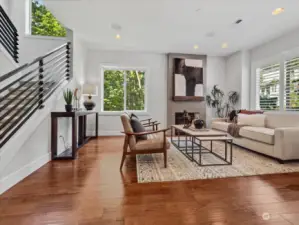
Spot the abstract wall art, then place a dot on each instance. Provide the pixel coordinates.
(188, 79)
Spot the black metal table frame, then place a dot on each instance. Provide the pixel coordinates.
(189, 151)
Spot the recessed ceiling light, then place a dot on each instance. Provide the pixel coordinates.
(238, 21)
(277, 11)
(195, 46)
(117, 36)
(224, 45)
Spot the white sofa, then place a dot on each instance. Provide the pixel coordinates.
(277, 137)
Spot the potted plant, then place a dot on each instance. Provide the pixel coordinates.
(217, 100)
(68, 98)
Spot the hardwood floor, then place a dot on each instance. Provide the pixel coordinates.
(91, 190)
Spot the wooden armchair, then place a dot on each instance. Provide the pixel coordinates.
(156, 142)
(147, 123)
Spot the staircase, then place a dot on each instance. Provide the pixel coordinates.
(24, 90)
(9, 35)
(28, 93)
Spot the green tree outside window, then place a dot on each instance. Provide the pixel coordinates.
(43, 23)
(124, 90)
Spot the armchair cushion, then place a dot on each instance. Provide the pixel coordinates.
(137, 128)
(154, 141)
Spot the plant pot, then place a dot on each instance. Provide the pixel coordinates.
(68, 108)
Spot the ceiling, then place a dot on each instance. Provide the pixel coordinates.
(165, 26)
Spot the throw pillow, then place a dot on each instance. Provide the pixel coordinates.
(137, 128)
(250, 112)
(134, 116)
(232, 116)
(255, 120)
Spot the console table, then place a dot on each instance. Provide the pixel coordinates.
(78, 119)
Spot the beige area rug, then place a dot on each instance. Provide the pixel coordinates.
(150, 168)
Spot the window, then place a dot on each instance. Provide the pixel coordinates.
(43, 23)
(124, 90)
(268, 87)
(291, 79)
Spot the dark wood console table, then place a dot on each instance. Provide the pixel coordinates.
(78, 118)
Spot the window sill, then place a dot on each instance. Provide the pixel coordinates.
(45, 37)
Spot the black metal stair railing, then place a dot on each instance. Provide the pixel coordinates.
(24, 90)
(9, 35)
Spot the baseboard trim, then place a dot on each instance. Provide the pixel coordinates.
(15, 177)
(104, 133)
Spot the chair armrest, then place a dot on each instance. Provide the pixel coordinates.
(286, 143)
(150, 124)
(149, 119)
(145, 133)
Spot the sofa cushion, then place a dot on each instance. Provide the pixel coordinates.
(281, 119)
(255, 120)
(219, 125)
(261, 134)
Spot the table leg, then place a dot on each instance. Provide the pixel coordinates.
(171, 134)
(54, 137)
(84, 127)
(225, 150)
(200, 142)
(211, 146)
(74, 137)
(231, 151)
(81, 131)
(192, 140)
(97, 125)
(186, 144)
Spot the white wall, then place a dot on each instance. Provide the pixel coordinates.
(29, 148)
(79, 59)
(7, 63)
(245, 80)
(30, 47)
(155, 82)
(238, 77)
(276, 51)
(216, 68)
(234, 74)
(6, 6)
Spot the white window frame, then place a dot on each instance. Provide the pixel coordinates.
(287, 57)
(28, 23)
(257, 88)
(113, 67)
(278, 58)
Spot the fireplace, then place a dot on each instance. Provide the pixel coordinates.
(179, 118)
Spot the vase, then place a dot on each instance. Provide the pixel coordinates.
(199, 124)
(68, 108)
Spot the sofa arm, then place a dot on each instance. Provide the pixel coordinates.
(218, 120)
(286, 143)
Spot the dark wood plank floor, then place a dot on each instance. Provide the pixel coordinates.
(91, 190)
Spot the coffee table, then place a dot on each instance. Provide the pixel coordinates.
(193, 147)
